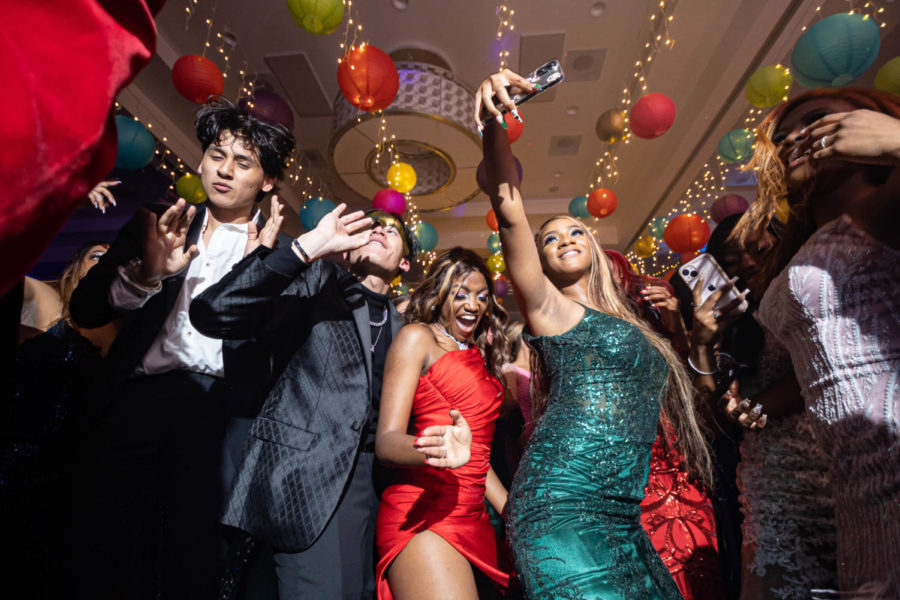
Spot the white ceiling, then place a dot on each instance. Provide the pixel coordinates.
(717, 45)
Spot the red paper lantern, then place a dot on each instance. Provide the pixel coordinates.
(652, 115)
(197, 78)
(727, 205)
(368, 78)
(686, 233)
(513, 127)
(492, 221)
(602, 202)
(689, 256)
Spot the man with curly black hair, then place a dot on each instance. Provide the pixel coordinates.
(153, 457)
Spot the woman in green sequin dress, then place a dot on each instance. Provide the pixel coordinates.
(573, 514)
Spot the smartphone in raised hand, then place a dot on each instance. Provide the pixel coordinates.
(714, 277)
(543, 78)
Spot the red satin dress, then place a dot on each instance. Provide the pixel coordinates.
(448, 502)
(678, 517)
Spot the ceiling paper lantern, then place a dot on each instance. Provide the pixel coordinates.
(190, 188)
(513, 127)
(686, 233)
(491, 220)
(481, 175)
(401, 177)
(136, 144)
(888, 77)
(645, 246)
(368, 78)
(768, 86)
(270, 107)
(836, 50)
(578, 207)
(197, 78)
(657, 226)
(652, 116)
(390, 201)
(602, 202)
(736, 146)
(611, 126)
(496, 263)
(313, 210)
(427, 236)
(727, 205)
(402, 290)
(689, 256)
(501, 286)
(320, 17)
(493, 243)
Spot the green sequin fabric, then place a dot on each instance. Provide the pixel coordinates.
(573, 515)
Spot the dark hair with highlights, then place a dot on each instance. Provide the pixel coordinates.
(428, 299)
(271, 142)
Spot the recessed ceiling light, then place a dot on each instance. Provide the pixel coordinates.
(400, 4)
(572, 110)
(598, 9)
(557, 175)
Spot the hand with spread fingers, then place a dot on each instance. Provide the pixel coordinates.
(336, 233)
(267, 236)
(500, 86)
(666, 303)
(447, 446)
(739, 409)
(101, 196)
(710, 321)
(164, 242)
(861, 135)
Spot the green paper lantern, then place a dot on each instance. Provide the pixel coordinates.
(493, 243)
(578, 207)
(320, 17)
(427, 236)
(190, 188)
(736, 146)
(768, 86)
(888, 77)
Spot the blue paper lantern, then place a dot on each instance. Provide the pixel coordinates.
(313, 211)
(736, 146)
(136, 144)
(493, 243)
(427, 236)
(578, 207)
(835, 51)
(657, 227)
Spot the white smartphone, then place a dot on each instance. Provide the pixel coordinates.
(705, 266)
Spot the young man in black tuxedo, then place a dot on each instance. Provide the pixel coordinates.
(305, 484)
(150, 474)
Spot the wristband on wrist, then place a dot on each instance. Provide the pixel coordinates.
(694, 368)
(301, 251)
(132, 271)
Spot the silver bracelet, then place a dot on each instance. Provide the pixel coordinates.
(698, 371)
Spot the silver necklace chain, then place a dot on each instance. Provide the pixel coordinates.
(459, 344)
(380, 327)
(383, 319)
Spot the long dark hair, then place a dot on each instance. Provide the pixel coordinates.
(426, 302)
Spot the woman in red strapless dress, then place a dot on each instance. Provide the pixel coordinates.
(433, 533)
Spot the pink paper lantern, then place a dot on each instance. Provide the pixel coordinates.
(652, 115)
(727, 205)
(390, 201)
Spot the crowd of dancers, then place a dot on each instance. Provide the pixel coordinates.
(224, 411)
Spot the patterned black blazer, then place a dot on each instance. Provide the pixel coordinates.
(304, 442)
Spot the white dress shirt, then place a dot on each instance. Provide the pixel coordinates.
(179, 346)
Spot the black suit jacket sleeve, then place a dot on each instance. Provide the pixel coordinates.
(259, 295)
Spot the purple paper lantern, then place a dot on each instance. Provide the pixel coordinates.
(501, 287)
(727, 205)
(390, 201)
(269, 107)
(481, 175)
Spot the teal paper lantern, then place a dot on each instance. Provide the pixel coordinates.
(493, 243)
(313, 211)
(657, 227)
(136, 144)
(736, 146)
(578, 207)
(835, 51)
(427, 236)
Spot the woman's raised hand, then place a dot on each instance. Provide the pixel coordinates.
(861, 135)
(710, 321)
(447, 446)
(496, 86)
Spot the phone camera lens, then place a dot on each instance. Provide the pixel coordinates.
(686, 272)
(711, 288)
(693, 273)
(541, 71)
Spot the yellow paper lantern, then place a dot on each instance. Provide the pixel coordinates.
(768, 86)
(496, 263)
(645, 246)
(396, 281)
(190, 188)
(401, 177)
(888, 77)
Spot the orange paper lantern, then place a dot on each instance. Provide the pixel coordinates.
(602, 202)
(368, 78)
(492, 221)
(197, 78)
(686, 233)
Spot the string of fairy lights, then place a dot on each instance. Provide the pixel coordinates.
(505, 27)
(710, 183)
